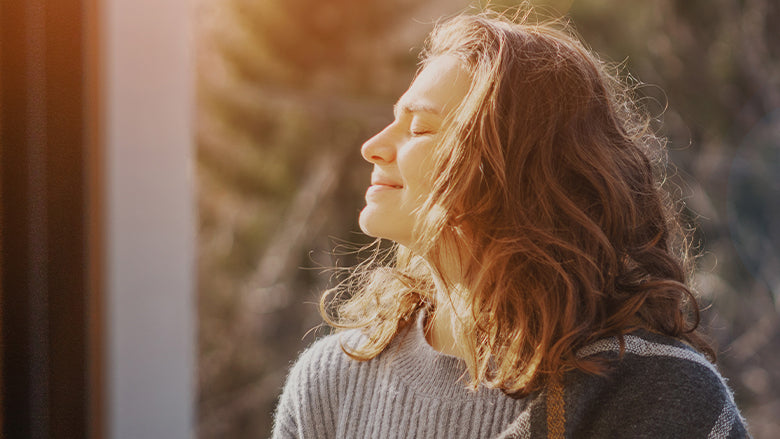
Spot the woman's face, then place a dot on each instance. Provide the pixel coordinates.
(402, 153)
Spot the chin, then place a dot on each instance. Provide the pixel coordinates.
(370, 223)
(382, 225)
(364, 220)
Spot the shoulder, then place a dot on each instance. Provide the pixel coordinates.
(309, 401)
(324, 355)
(659, 387)
(323, 361)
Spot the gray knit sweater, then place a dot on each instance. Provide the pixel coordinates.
(660, 389)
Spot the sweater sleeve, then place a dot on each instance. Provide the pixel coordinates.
(308, 406)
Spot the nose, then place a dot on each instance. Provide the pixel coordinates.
(379, 149)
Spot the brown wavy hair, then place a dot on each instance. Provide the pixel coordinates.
(548, 185)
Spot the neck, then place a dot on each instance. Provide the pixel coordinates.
(447, 310)
(439, 331)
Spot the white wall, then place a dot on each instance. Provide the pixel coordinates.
(148, 97)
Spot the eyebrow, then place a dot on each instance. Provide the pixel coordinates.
(415, 107)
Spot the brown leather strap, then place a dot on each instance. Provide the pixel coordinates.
(556, 413)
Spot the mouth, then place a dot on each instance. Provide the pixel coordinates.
(386, 184)
(380, 181)
(379, 186)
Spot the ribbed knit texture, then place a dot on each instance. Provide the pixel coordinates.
(661, 388)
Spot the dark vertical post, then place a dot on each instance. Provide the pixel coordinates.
(44, 218)
(66, 280)
(95, 207)
(16, 219)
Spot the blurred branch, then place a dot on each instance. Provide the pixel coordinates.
(756, 337)
(299, 226)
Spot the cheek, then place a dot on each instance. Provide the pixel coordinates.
(416, 167)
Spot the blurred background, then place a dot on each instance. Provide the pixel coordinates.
(287, 90)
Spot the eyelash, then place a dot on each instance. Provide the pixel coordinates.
(418, 129)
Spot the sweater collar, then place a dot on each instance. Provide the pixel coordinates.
(428, 371)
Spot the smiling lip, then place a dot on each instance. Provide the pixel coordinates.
(381, 183)
(386, 185)
(374, 188)
(381, 186)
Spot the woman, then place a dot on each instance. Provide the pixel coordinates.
(538, 287)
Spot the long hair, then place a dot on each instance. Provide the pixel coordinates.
(548, 185)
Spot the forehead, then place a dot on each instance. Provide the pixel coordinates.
(438, 89)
